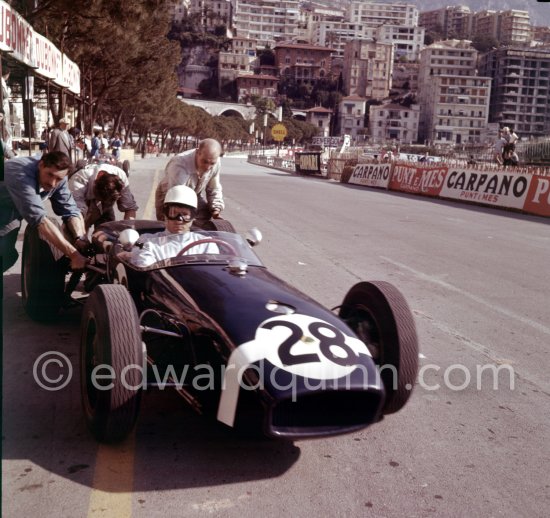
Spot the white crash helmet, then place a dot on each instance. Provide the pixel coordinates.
(182, 195)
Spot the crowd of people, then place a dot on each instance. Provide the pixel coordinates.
(85, 198)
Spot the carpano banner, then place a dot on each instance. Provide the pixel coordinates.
(501, 188)
(18, 38)
(498, 188)
(371, 175)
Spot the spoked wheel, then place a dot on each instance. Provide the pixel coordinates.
(42, 278)
(111, 344)
(379, 315)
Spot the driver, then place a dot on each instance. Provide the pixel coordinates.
(180, 209)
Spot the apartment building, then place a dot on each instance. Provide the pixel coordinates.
(239, 59)
(374, 14)
(507, 27)
(394, 122)
(453, 98)
(302, 62)
(368, 67)
(520, 88)
(266, 21)
(451, 21)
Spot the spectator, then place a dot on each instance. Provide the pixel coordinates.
(96, 188)
(60, 140)
(28, 182)
(95, 144)
(498, 149)
(511, 138)
(116, 145)
(199, 169)
(5, 149)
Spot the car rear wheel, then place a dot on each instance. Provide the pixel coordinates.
(220, 225)
(42, 278)
(379, 315)
(111, 345)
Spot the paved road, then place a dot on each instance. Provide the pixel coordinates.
(477, 282)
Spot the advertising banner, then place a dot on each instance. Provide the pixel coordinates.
(538, 196)
(48, 58)
(371, 175)
(15, 34)
(308, 163)
(500, 188)
(418, 180)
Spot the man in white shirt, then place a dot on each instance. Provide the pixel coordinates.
(198, 169)
(179, 210)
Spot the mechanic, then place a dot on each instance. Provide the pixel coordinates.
(199, 169)
(28, 182)
(179, 210)
(96, 188)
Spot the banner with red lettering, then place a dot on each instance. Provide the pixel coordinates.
(418, 180)
(538, 196)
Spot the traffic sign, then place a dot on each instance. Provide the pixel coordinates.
(279, 132)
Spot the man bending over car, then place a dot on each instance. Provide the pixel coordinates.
(179, 209)
(96, 188)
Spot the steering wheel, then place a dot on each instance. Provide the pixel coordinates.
(221, 242)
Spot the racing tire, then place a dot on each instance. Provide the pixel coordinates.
(42, 278)
(220, 225)
(111, 337)
(379, 315)
(126, 167)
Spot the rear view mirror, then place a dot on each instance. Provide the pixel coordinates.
(254, 236)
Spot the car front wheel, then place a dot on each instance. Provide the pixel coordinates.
(112, 363)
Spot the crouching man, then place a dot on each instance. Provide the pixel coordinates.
(96, 188)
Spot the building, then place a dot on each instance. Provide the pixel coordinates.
(451, 21)
(351, 116)
(374, 14)
(394, 122)
(266, 21)
(453, 98)
(520, 87)
(321, 118)
(239, 59)
(213, 13)
(505, 26)
(407, 40)
(302, 62)
(368, 69)
(250, 86)
(180, 10)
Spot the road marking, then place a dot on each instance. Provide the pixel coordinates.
(471, 296)
(113, 484)
(149, 212)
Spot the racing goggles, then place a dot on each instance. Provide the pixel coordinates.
(181, 214)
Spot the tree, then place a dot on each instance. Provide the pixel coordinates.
(484, 42)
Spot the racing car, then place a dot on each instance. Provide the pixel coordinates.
(236, 342)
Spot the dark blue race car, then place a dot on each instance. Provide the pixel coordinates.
(235, 341)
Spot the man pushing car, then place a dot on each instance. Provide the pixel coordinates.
(28, 182)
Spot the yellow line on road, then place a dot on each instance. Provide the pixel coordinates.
(149, 212)
(113, 484)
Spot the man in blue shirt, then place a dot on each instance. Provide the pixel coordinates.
(28, 182)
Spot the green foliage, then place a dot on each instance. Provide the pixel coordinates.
(484, 42)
